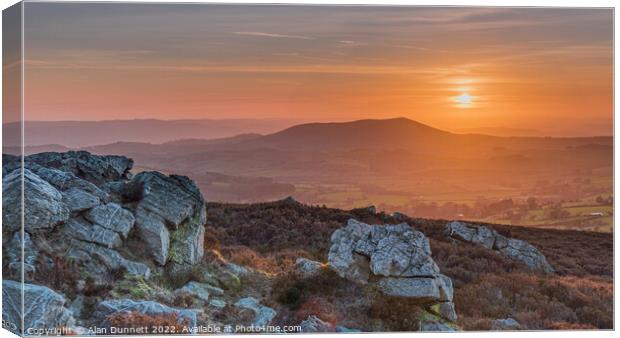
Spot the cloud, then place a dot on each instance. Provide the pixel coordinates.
(272, 35)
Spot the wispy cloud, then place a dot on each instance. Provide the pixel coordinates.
(273, 35)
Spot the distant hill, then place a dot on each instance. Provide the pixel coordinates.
(74, 134)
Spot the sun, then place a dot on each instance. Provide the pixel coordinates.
(463, 100)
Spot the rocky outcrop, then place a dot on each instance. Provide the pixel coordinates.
(107, 308)
(93, 168)
(396, 256)
(263, 315)
(315, 324)
(43, 308)
(171, 227)
(514, 248)
(508, 324)
(69, 201)
(44, 203)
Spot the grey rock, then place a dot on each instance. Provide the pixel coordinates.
(426, 289)
(185, 214)
(113, 217)
(199, 290)
(64, 181)
(238, 269)
(93, 168)
(307, 268)
(81, 229)
(435, 326)
(505, 324)
(43, 307)
(390, 250)
(315, 324)
(156, 191)
(44, 203)
(110, 259)
(263, 315)
(446, 290)
(514, 248)
(445, 310)
(187, 243)
(526, 253)
(155, 235)
(79, 200)
(109, 307)
(15, 246)
(344, 329)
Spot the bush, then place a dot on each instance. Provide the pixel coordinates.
(136, 319)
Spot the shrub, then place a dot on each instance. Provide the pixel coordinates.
(137, 319)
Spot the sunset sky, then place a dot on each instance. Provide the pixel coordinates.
(452, 68)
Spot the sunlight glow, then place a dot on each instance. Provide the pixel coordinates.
(463, 100)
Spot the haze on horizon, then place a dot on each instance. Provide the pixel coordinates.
(545, 69)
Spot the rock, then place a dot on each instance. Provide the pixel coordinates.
(344, 329)
(157, 190)
(43, 308)
(155, 235)
(64, 181)
(109, 307)
(217, 303)
(307, 268)
(446, 290)
(399, 216)
(81, 229)
(514, 248)
(445, 310)
(371, 209)
(187, 244)
(390, 250)
(79, 200)
(199, 290)
(435, 326)
(505, 324)
(113, 217)
(185, 214)
(315, 324)
(43, 203)
(263, 315)
(238, 269)
(110, 259)
(93, 168)
(229, 281)
(426, 289)
(15, 247)
(526, 253)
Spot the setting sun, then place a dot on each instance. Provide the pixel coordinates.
(463, 100)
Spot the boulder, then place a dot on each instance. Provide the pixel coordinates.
(445, 310)
(43, 203)
(43, 308)
(426, 289)
(113, 217)
(185, 214)
(108, 258)
(307, 268)
(514, 248)
(526, 253)
(93, 168)
(107, 308)
(14, 256)
(344, 329)
(392, 250)
(315, 324)
(79, 200)
(217, 304)
(199, 290)
(81, 229)
(155, 235)
(64, 181)
(505, 324)
(263, 315)
(435, 326)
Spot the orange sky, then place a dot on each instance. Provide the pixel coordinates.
(543, 69)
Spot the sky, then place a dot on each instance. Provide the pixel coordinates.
(544, 69)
